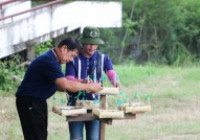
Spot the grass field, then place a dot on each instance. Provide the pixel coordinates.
(175, 105)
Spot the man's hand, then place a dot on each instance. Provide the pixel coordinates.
(118, 85)
(72, 86)
(87, 81)
(94, 88)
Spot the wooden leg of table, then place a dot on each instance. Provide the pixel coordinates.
(102, 124)
(102, 130)
(103, 101)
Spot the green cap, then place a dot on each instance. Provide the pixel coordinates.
(91, 35)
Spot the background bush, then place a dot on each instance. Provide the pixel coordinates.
(164, 32)
(11, 73)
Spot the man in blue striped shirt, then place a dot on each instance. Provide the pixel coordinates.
(88, 67)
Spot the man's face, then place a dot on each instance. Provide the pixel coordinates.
(67, 55)
(90, 49)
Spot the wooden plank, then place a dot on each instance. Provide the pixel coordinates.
(137, 109)
(109, 91)
(84, 117)
(103, 100)
(69, 111)
(91, 117)
(108, 113)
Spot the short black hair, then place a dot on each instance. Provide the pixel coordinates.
(71, 43)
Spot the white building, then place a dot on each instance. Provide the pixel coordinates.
(20, 24)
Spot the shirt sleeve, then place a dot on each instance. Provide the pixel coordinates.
(70, 69)
(107, 64)
(51, 70)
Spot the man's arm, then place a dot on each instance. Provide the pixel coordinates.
(72, 78)
(111, 74)
(64, 84)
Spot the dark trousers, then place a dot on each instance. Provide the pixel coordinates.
(33, 117)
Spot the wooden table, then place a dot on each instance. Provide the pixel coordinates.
(90, 117)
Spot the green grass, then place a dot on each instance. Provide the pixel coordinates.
(175, 107)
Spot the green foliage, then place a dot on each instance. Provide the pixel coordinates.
(42, 47)
(8, 69)
(3, 76)
(38, 3)
(167, 30)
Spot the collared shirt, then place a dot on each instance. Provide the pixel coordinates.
(39, 80)
(87, 67)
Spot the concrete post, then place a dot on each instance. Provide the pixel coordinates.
(30, 53)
